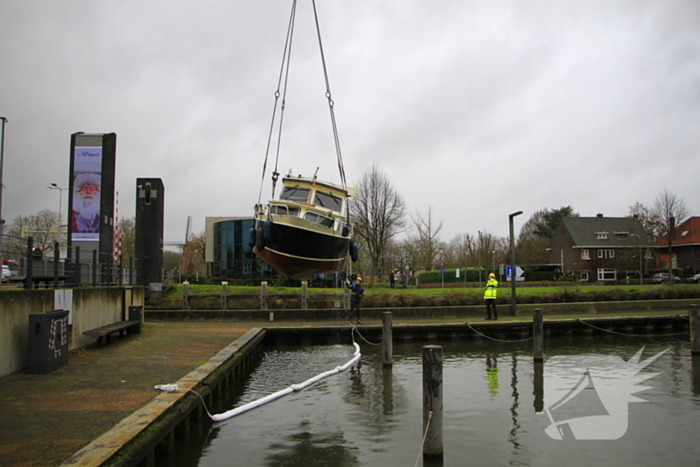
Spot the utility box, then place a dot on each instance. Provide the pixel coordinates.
(48, 341)
(135, 315)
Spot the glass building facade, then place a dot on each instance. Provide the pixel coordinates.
(233, 256)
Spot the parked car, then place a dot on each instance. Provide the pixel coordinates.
(5, 273)
(662, 278)
(695, 279)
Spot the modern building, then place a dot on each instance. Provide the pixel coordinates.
(227, 253)
(601, 248)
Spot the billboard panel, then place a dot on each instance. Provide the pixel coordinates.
(86, 186)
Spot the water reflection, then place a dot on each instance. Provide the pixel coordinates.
(305, 448)
(538, 386)
(492, 374)
(695, 361)
(514, 406)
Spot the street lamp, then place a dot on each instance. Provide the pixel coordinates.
(641, 281)
(2, 152)
(53, 186)
(479, 253)
(513, 306)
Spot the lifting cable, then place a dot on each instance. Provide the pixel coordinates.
(281, 83)
(336, 139)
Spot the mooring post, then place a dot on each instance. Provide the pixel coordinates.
(263, 297)
(387, 338)
(224, 296)
(432, 401)
(694, 316)
(304, 295)
(537, 335)
(185, 295)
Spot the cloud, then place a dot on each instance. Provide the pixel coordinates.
(474, 109)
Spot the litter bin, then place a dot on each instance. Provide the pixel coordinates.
(135, 315)
(48, 341)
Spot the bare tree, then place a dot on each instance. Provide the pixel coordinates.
(671, 210)
(127, 231)
(428, 246)
(377, 214)
(42, 227)
(668, 208)
(651, 222)
(456, 251)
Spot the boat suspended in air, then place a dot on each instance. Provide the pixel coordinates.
(304, 230)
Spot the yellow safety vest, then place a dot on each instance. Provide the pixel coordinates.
(491, 289)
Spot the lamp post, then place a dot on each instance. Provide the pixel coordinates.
(479, 253)
(513, 306)
(641, 281)
(2, 158)
(53, 186)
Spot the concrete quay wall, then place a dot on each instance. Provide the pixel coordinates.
(432, 312)
(89, 308)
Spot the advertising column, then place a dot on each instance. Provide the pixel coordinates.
(91, 199)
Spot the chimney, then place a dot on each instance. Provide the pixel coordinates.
(600, 215)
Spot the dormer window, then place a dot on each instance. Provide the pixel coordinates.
(622, 235)
(601, 235)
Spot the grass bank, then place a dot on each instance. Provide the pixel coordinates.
(245, 297)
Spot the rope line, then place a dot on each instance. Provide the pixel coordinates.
(494, 339)
(425, 435)
(631, 335)
(363, 337)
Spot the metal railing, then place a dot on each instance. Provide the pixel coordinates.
(69, 267)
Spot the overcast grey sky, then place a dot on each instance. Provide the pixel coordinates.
(475, 109)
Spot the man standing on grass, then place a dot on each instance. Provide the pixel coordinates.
(490, 294)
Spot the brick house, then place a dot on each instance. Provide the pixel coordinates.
(685, 247)
(600, 248)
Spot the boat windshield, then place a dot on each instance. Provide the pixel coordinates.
(292, 193)
(319, 219)
(284, 210)
(326, 200)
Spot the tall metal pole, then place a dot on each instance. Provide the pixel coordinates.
(513, 306)
(479, 252)
(2, 158)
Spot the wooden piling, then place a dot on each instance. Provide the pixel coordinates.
(224, 296)
(537, 335)
(185, 295)
(387, 340)
(694, 316)
(304, 295)
(432, 401)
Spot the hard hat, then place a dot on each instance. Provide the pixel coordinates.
(492, 275)
(359, 279)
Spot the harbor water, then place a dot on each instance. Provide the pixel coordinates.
(495, 410)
